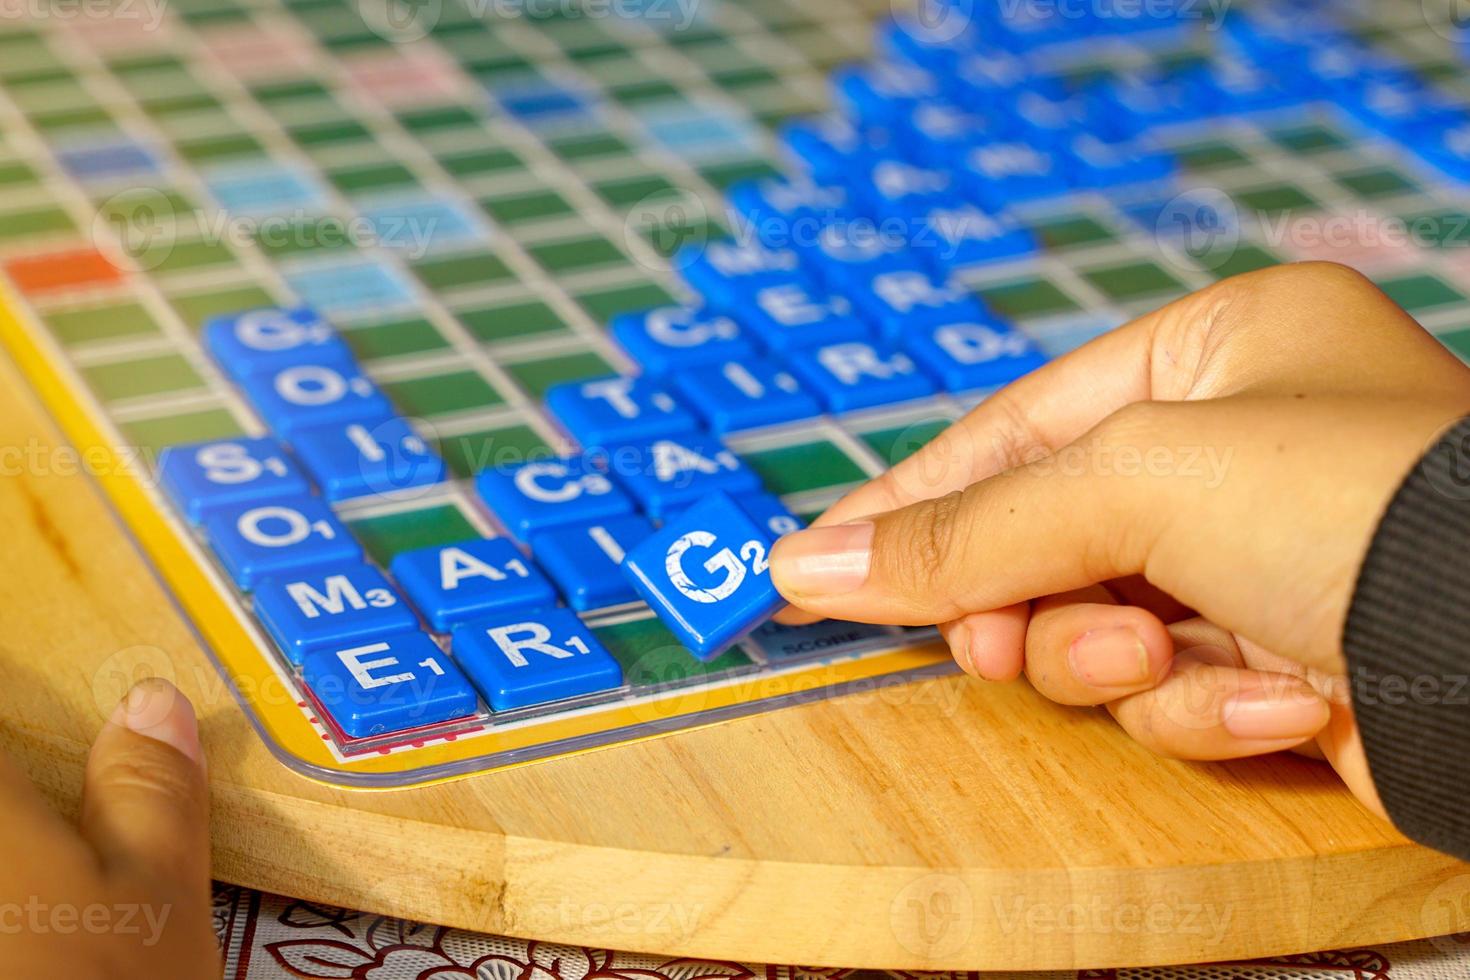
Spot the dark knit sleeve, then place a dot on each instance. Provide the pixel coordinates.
(1407, 641)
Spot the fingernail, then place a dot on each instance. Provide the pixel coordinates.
(961, 641)
(1113, 656)
(1267, 714)
(155, 709)
(825, 560)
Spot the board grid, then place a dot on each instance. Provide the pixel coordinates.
(191, 168)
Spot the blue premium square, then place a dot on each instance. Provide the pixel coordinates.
(706, 574)
(453, 583)
(522, 659)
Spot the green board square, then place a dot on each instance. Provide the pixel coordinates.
(153, 435)
(142, 376)
(14, 173)
(1306, 140)
(422, 121)
(1420, 292)
(512, 320)
(1458, 341)
(1133, 280)
(279, 239)
(724, 175)
(210, 148)
(87, 118)
(454, 271)
(352, 180)
(1275, 198)
(35, 221)
(1213, 155)
(477, 163)
(651, 656)
(604, 304)
(1376, 182)
(896, 444)
(589, 146)
(100, 323)
(388, 535)
(809, 466)
(1245, 258)
(512, 209)
(285, 93)
(537, 376)
(645, 90)
(470, 452)
(196, 254)
(1073, 231)
(195, 308)
(441, 394)
(572, 254)
(329, 133)
(1028, 298)
(394, 339)
(624, 191)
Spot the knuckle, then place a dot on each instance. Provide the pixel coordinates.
(1016, 441)
(927, 542)
(143, 771)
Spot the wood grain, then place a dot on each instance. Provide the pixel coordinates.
(942, 824)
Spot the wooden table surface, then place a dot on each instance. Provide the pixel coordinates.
(940, 824)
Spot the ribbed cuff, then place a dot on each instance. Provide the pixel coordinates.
(1407, 642)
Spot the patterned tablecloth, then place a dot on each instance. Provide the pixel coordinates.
(266, 937)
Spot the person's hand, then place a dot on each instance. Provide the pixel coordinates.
(1168, 521)
(125, 894)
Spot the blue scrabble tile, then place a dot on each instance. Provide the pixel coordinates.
(520, 659)
(395, 684)
(583, 560)
(898, 190)
(725, 273)
(330, 605)
(943, 131)
(860, 375)
(745, 394)
(322, 392)
(269, 339)
(899, 301)
(973, 354)
(548, 492)
(766, 509)
(846, 254)
(672, 338)
(795, 315)
(204, 476)
(451, 584)
(706, 575)
(828, 147)
(667, 473)
(1097, 163)
(883, 93)
(779, 212)
(253, 541)
(1002, 173)
(617, 409)
(360, 459)
(959, 237)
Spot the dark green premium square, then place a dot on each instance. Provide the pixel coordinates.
(1309, 139)
(514, 209)
(94, 323)
(1024, 298)
(510, 321)
(1131, 281)
(1072, 231)
(455, 271)
(652, 657)
(1275, 199)
(537, 376)
(1421, 292)
(195, 308)
(163, 374)
(607, 302)
(388, 535)
(395, 339)
(442, 394)
(173, 429)
(576, 254)
(1212, 155)
(896, 444)
(809, 466)
(1376, 182)
(470, 452)
(1245, 258)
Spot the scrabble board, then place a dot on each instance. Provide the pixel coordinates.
(479, 207)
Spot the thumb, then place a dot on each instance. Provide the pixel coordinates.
(145, 803)
(1039, 529)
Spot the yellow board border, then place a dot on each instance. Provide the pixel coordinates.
(272, 701)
